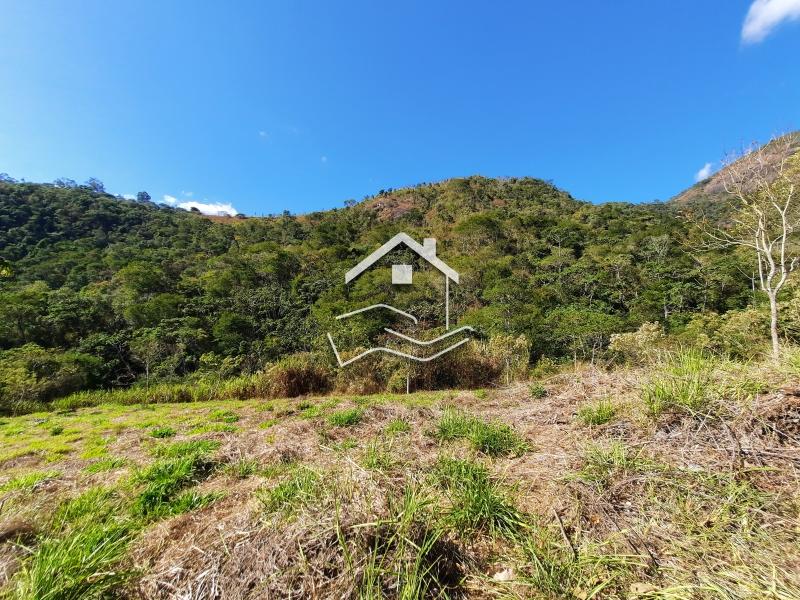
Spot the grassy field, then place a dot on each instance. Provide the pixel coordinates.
(677, 481)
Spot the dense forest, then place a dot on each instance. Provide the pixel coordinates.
(101, 292)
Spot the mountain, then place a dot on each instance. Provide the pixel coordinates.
(114, 292)
(711, 191)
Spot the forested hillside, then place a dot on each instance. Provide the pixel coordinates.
(101, 292)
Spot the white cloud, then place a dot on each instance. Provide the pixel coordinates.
(766, 15)
(210, 208)
(263, 134)
(703, 173)
(187, 194)
(323, 159)
(207, 208)
(129, 196)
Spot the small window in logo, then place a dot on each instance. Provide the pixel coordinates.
(401, 274)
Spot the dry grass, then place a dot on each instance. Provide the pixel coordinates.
(359, 497)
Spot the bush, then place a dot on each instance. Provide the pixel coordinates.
(31, 376)
(537, 390)
(638, 347)
(738, 334)
(300, 374)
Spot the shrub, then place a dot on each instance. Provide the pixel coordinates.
(743, 334)
(537, 390)
(640, 346)
(300, 374)
(31, 376)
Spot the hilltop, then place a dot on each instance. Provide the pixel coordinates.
(711, 190)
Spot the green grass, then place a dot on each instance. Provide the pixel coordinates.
(378, 456)
(552, 566)
(28, 481)
(301, 488)
(684, 385)
(106, 464)
(268, 423)
(492, 438)
(56, 430)
(224, 416)
(346, 444)
(96, 503)
(213, 428)
(81, 564)
(481, 394)
(162, 432)
(600, 413)
(165, 479)
(242, 469)
(347, 417)
(537, 390)
(184, 449)
(602, 464)
(478, 502)
(397, 426)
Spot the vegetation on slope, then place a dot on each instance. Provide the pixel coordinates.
(102, 293)
(587, 489)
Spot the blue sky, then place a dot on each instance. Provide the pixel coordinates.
(301, 105)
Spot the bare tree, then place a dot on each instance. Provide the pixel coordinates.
(763, 189)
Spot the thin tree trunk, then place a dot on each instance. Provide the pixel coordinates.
(773, 324)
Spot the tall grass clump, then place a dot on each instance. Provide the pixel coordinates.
(599, 413)
(602, 464)
(685, 384)
(553, 565)
(347, 417)
(492, 438)
(299, 489)
(477, 502)
(83, 563)
(80, 555)
(181, 465)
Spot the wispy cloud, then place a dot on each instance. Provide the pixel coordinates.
(703, 173)
(323, 159)
(765, 15)
(187, 194)
(171, 200)
(263, 134)
(210, 208)
(129, 196)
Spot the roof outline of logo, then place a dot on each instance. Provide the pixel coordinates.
(402, 238)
